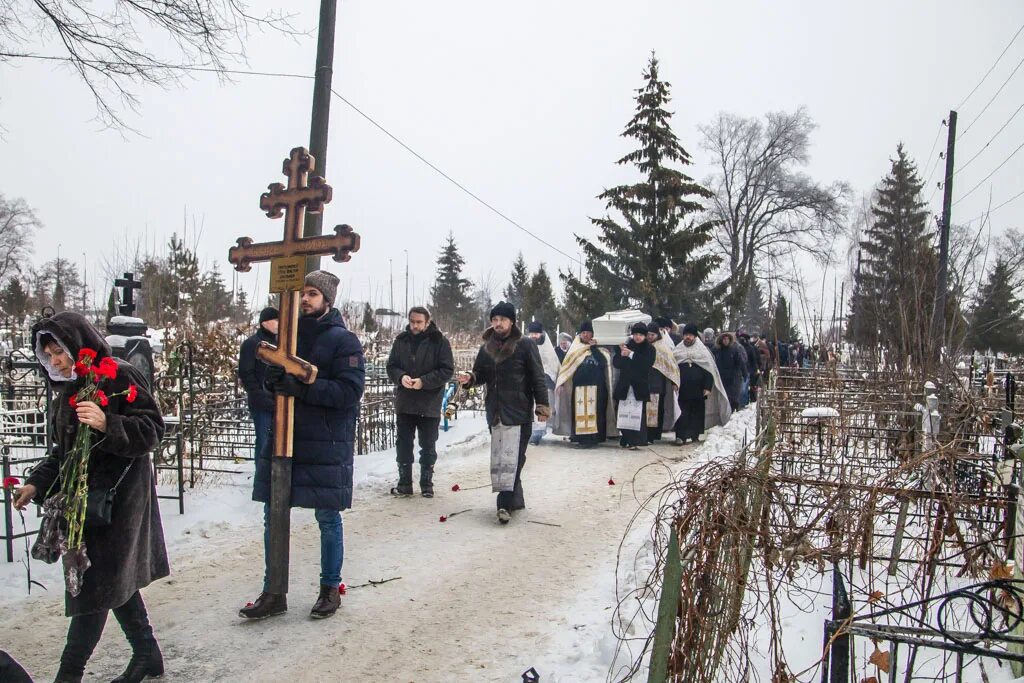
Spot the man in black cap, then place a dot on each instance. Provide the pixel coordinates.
(512, 362)
(324, 438)
(583, 391)
(635, 360)
(252, 371)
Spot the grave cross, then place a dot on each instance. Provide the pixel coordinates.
(128, 285)
(302, 195)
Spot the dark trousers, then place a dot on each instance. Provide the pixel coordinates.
(85, 631)
(513, 500)
(262, 422)
(690, 424)
(408, 426)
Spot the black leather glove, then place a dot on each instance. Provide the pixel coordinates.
(289, 385)
(272, 376)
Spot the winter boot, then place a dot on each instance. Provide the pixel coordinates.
(504, 516)
(426, 481)
(327, 604)
(267, 605)
(404, 487)
(143, 665)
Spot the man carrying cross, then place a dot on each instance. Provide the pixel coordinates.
(324, 434)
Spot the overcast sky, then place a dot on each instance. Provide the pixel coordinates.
(521, 102)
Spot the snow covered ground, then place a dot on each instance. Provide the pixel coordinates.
(475, 601)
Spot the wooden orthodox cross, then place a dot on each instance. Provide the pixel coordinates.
(128, 285)
(287, 271)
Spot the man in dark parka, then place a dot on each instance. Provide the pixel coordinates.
(252, 372)
(129, 554)
(420, 364)
(731, 366)
(324, 437)
(509, 365)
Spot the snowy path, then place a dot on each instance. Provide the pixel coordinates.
(476, 602)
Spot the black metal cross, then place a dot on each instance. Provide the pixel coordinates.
(127, 284)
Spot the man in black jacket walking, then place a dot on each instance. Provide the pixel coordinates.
(252, 371)
(509, 364)
(420, 365)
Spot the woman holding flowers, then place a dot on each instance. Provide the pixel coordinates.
(104, 424)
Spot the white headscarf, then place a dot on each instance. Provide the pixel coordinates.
(42, 341)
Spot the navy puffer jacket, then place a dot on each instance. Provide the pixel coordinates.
(325, 418)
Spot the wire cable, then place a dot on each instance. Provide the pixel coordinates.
(985, 146)
(985, 108)
(354, 108)
(1001, 54)
(983, 180)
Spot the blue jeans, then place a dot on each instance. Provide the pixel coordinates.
(262, 421)
(745, 393)
(332, 545)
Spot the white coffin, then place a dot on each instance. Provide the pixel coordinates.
(612, 329)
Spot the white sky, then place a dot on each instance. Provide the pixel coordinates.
(521, 102)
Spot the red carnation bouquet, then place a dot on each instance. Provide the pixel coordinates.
(74, 475)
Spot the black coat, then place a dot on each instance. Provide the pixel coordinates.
(732, 368)
(694, 381)
(129, 554)
(251, 370)
(634, 372)
(753, 359)
(325, 418)
(512, 370)
(427, 356)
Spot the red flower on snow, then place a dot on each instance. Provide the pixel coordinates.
(342, 589)
(456, 487)
(611, 482)
(101, 398)
(11, 482)
(107, 368)
(86, 353)
(73, 401)
(133, 393)
(444, 518)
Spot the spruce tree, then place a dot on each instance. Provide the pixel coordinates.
(894, 287)
(652, 255)
(112, 302)
(540, 300)
(14, 298)
(519, 283)
(997, 321)
(754, 313)
(781, 326)
(450, 294)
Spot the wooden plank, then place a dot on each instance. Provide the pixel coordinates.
(668, 612)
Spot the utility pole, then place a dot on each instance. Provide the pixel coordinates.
(939, 310)
(406, 280)
(320, 119)
(391, 279)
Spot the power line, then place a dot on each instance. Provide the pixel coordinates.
(985, 108)
(336, 94)
(983, 180)
(449, 178)
(985, 146)
(1014, 197)
(1012, 41)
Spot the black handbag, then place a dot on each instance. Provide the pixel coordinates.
(99, 505)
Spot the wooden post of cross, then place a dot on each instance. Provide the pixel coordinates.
(287, 271)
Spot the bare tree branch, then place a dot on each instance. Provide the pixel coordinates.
(767, 208)
(131, 43)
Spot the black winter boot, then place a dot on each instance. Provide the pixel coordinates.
(143, 665)
(327, 604)
(404, 487)
(267, 605)
(426, 481)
